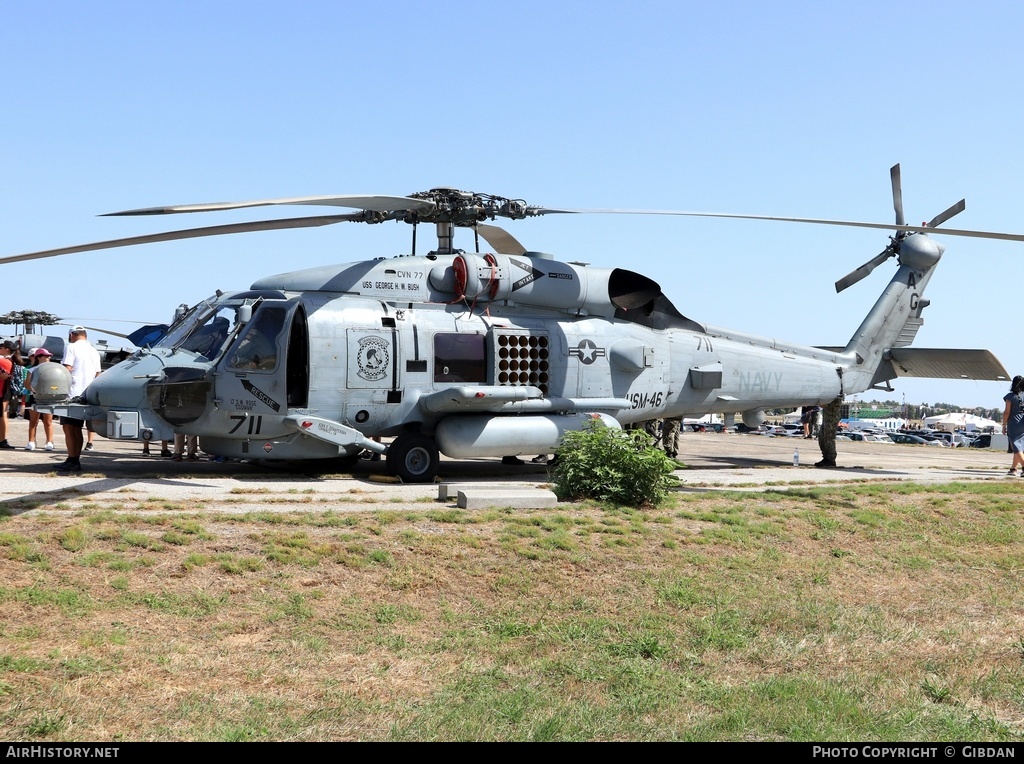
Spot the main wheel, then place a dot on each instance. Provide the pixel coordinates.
(413, 457)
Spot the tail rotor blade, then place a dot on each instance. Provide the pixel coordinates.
(942, 217)
(897, 193)
(902, 231)
(853, 277)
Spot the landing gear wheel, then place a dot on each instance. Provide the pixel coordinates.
(413, 457)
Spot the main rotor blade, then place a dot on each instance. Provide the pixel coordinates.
(815, 221)
(532, 211)
(897, 193)
(854, 276)
(374, 203)
(503, 242)
(942, 217)
(71, 321)
(107, 331)
(190, 233)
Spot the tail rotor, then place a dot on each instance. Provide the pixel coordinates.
(897, 239)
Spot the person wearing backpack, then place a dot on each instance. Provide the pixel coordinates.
(12, 376)
(19, 373)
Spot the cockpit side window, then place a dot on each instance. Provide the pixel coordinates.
(257, 349)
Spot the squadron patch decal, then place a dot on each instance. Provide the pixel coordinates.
(373, 359)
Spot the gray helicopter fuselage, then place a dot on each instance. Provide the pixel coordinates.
(315, 372)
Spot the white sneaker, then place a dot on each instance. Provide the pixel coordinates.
(31, 446)
(49, 446)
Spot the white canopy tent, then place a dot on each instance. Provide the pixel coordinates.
(959, 420)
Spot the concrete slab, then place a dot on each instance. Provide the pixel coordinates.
(522, 498)
(450, 491)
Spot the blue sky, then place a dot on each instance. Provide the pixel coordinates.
(784, 108)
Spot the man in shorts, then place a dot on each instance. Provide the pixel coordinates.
(83, 361)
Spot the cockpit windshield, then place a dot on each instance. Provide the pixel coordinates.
(206, 328)
(208, 339)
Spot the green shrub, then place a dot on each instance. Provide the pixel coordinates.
(608, 464)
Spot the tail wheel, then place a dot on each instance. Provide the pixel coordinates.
(413, 457)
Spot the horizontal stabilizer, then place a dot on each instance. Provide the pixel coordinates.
(941, 363)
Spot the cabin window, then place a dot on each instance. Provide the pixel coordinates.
(459, 358)
(258, 348)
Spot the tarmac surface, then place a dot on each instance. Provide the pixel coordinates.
(116, 475)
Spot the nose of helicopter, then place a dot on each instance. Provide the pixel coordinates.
(124, 385)
(177, 393)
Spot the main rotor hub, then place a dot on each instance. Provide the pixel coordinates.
(464, 208)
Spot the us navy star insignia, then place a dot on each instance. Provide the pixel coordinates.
(587, 352)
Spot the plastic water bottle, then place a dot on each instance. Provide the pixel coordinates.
(796, 457)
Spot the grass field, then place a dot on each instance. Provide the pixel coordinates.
(876, 611)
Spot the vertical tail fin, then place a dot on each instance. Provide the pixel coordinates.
(895, 318)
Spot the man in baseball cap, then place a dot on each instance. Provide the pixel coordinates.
(83, 361)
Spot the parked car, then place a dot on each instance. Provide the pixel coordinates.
(951, 439)
(902, 437)
(706, 426)
(982, 441)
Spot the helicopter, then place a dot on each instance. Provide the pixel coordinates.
(56, 344)
(481, 354)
